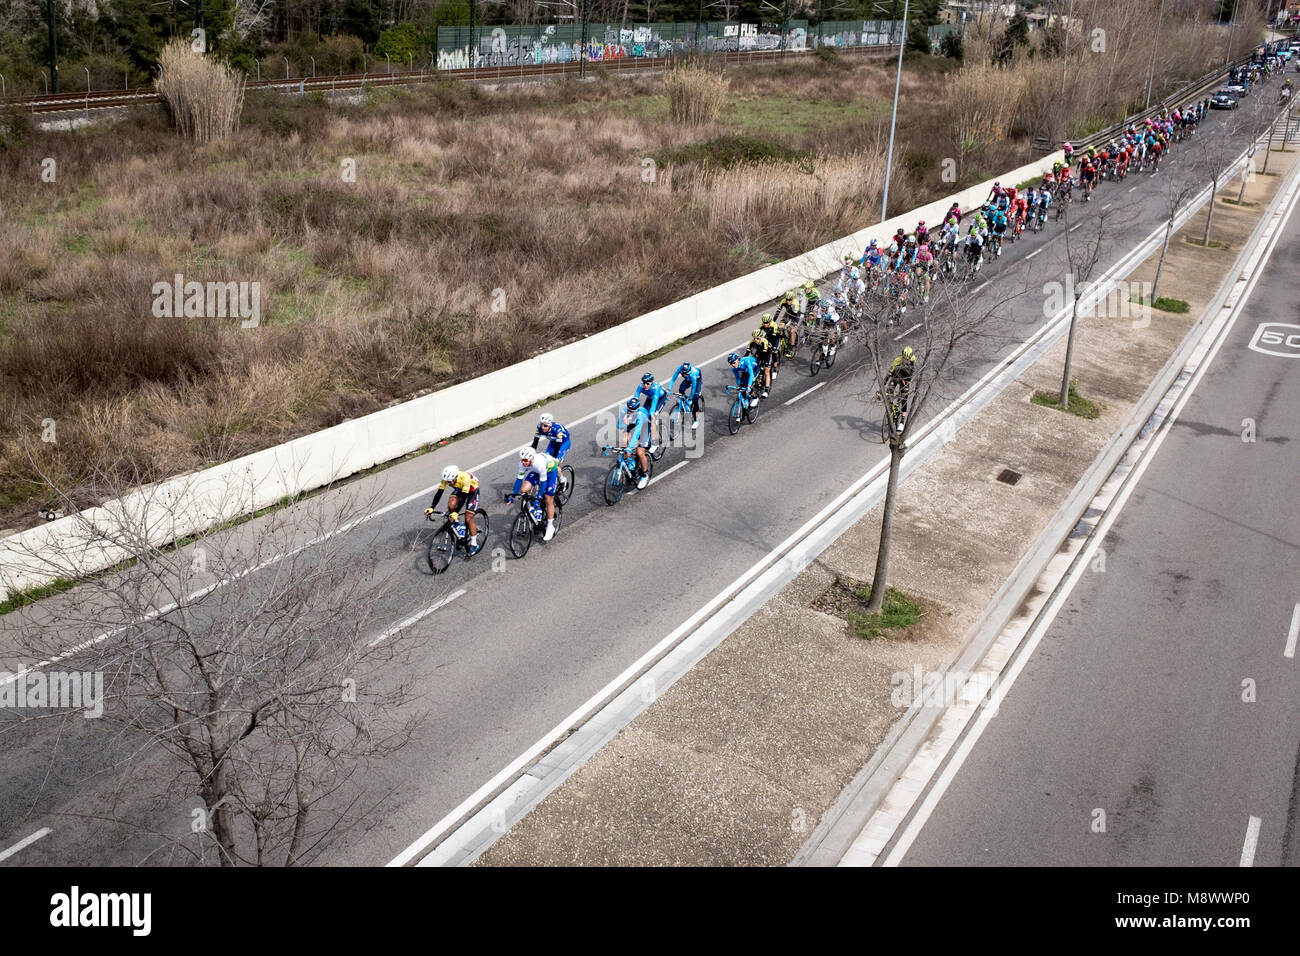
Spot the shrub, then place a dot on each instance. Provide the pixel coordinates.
(952, 47)
(203, 96)
(696, 93)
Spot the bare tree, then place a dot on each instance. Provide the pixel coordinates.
(1082, 258)
(949, 330)
(243, 667)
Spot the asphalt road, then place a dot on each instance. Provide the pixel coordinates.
(525, 645)
(1133, 703)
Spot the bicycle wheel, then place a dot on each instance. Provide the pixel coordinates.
(441, 549)
(674, 422)
(521, 535)
(615, 484)
(481, 522)
(565, 491)
(830, 355)
(815, 361)
(751, 411)
(734, 419)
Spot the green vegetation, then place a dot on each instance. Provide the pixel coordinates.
(1078, 405)
(899, 612)
(1163, 303)
(727, 151)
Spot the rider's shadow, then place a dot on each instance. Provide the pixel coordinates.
(865, 429)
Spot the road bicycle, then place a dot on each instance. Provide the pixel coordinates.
(623, 472)
(530, 522)
(452, 537)
(743, 409)
(679, 414)
(893, 418)
(823, 351)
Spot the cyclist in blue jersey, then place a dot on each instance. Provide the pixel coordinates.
(652, 396)
(692, 381)
(636, 428)
(746, 372)
(540, 472)
(556, 435)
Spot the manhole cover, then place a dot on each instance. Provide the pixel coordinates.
(1008, 476)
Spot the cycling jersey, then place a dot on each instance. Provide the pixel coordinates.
(633, 423)
(692, 381)
(746, 371)
(557, 437)
(542, 474)
(652, 396)
(464, 487)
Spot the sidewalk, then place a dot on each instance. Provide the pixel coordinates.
(737, 761)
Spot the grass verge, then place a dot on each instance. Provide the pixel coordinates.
(1163, 303)
(899, 612)
(1078, 405)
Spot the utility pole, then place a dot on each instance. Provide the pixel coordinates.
(582, 61)
(54, 48)
(893, 120)
(1151, 72)
(1232, 26)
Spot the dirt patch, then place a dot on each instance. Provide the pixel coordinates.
(845, 597)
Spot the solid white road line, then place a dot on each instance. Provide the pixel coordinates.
(1072, 228)
(908, 332)
(419, 615)
(804, 393)
(1293, 633)
(43, 831)
(1035, 252)
(1131, 188)
(665, 474)
(1252, 840)
(980, 286)
(1107, 206)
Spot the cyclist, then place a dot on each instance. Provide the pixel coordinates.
(897, 381)
(788, 312)
(775, 336)
(653, 396)
(954, 212)
(761, 349)
(810, 296)
(974, 245)
(922, 233)
(537, 471)
(994, 194)
(692, 381)
(998, 226)
(634, 420)
(830, 321)
(924, 271)
(556, 435)
(746, 371)
(463, 498)
(1044, 201)
(1069, 154)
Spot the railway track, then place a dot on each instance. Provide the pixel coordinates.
(87, 101)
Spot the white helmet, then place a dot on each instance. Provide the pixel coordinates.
(546, 420)
(526, 455)
(449, 473)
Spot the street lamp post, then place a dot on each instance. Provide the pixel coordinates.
(893, 121)
(1151, 71)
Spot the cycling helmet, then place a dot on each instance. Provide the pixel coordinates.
(733, 358)
(872, 244)
(633, 404)
(647, 378)
(791, 294)
(766, 319)
(686, 368)
(449, 473)
(920, 224)
(527, 455)
(808, 284)
(908, 353)
(825, 303)
(758, 334)
(546, 420)
(893, 248)
(1067, 147)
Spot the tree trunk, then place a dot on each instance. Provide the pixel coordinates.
(879, 579)
(1164, 250)
(1069, 355)
(1214, 192)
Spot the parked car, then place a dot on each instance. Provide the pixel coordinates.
(1223, 100)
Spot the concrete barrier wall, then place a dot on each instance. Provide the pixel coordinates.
(192, 503)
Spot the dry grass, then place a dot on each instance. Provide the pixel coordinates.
(696, 93)
(203, 96)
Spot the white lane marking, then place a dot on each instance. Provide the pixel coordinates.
(1293, 633)
(1021, 638)
(1035, 252)
(1252, 840)
(909, 331)
(418, 615)
(1107, 206)
(980, 286)
(804, 393)
(1072, 228)
(665, 474)
(43, 831)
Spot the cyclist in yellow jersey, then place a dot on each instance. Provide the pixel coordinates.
(464, 497)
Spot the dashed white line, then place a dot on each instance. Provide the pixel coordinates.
(1034, 253)
(911, 330)
(5, 854)
(1131, 188)
(665, 474)
(1252, 839)
(419, 615)
(1293, 633)
(803, 394)
(980, 286)
(1072, 228)
(1107, 206)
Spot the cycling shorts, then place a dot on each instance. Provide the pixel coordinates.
(652, 403)
(558, 449)
(543, 484)
(463, 502)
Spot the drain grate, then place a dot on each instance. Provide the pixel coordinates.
(1009, 477)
